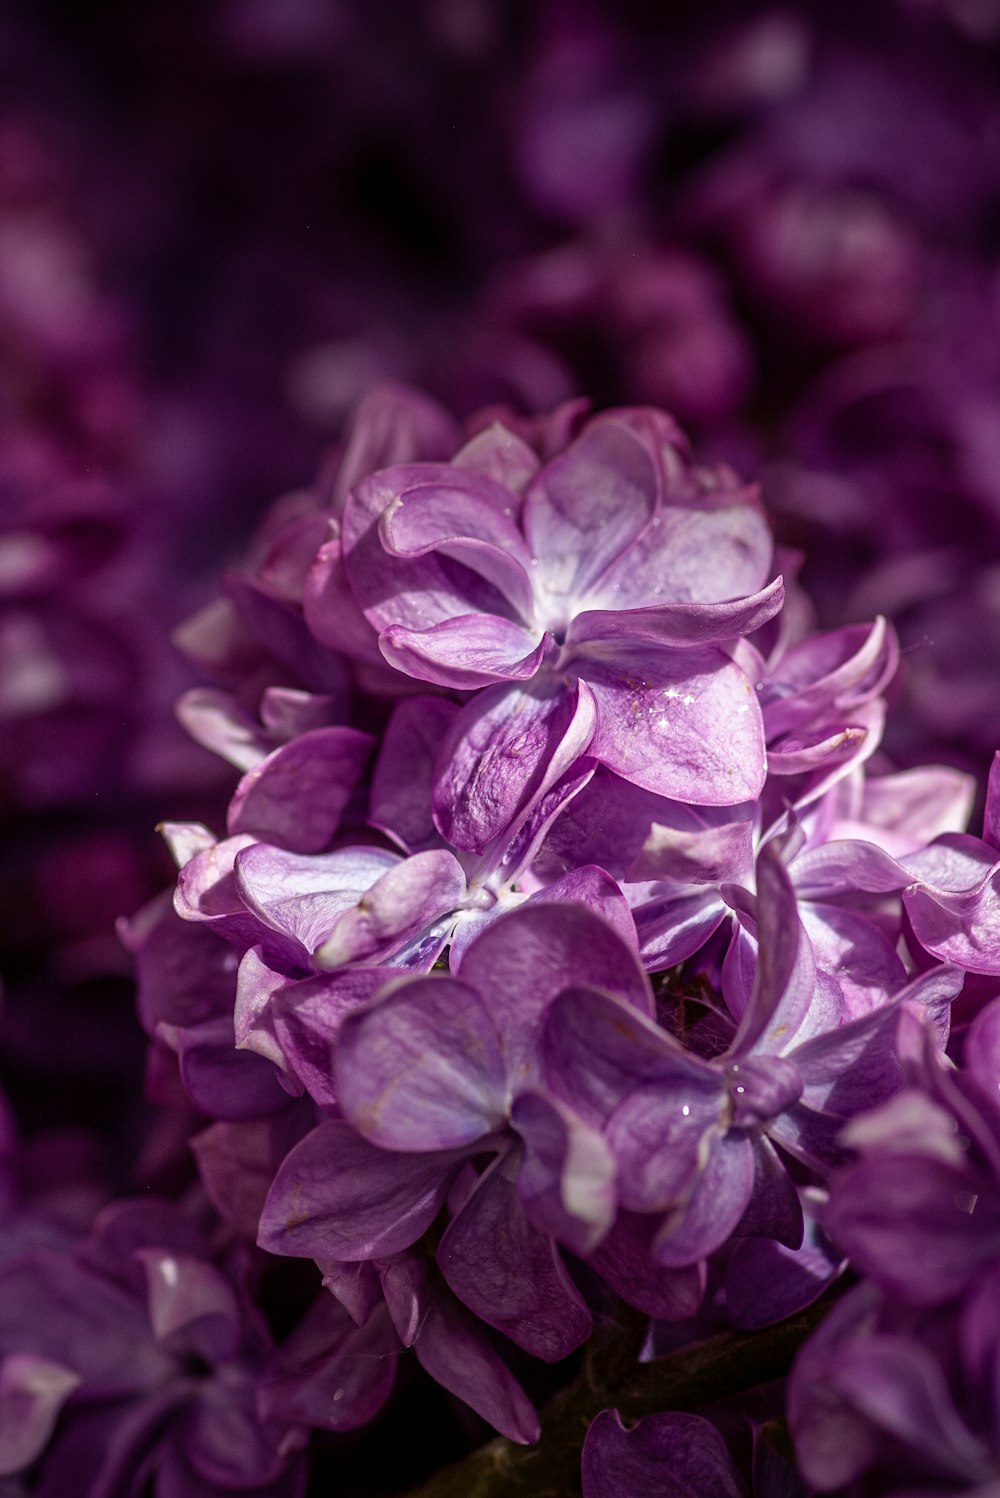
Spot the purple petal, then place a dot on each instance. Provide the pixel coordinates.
(421, 590)
(767, 1281)
(222, 1081)
(899, 1386)
(509, 1274)
(586, 507)
(412, 894)
(709, 545)
(453, 1350)
(524, 959)
(506, 748)
(838, 868)
(393, 424)
(192, 1308)
(32, 1392)
(682, 723)
(837, 672)
(338, 1197)
(218, 722)
(962, 927)
(330, 1373)
(465, 652)
(236, 1162)
(906, 1221)
(499, 454)
(296, 796)
(625, 1260)
(713, 855)
(680, 624)
(663, 1456)
(715, 1207)
(299, 897)
(403, 778)
(437, 510)
(596, 1050)
(307, 1018)
(52, 1309)
(566, 1180)
(422, 1068)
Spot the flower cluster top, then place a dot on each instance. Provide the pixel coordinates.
(564, 922)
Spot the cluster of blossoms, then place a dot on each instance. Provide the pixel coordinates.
(563, 931)
(577, 973)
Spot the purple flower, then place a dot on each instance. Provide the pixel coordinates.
(590, 597)
(438, 1071)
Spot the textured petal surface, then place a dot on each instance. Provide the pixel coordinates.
(338, 1197)
(422, 1069)
(684, 724)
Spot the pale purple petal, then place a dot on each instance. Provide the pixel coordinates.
(296, 796)
(680, 624)
(713, 855)
(567, 1176)
(598, 1050)
(682, 723)
(192, 1308)
(723, 522)
(499, 454)
(412, 893)
(506, 748)
(32, 1392)
(421, 1069)
(418, 591)
(529, 956)
(465, 652)
(587, 506)
(444, 511)
(300, 897)
(831, 673)
(714, 1208)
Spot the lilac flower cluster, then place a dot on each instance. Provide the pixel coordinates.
(560, 934)
(577, 985)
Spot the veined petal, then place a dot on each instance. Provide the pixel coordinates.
(411, 895)
(566, 1180)
(445, 511)
(336, 1196)
(468, 651)
(684, 724)
(680, 624)
(663, 1456)
(421, 1068)
(423, 589)
(295, 796)
(587, 506)
(525, 958)
(712, 542)
(506, 748)
(509, 1273)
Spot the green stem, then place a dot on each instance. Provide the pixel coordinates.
(698, 1375)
